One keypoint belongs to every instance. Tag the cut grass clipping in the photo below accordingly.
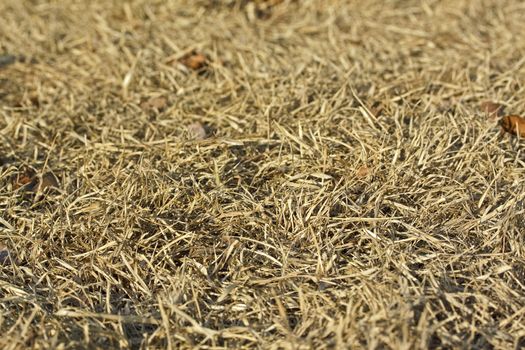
(324, 174)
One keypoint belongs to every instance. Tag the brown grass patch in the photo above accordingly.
(344, 190)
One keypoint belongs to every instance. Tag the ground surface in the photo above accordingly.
(214, 174)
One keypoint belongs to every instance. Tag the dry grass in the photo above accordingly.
(351, 192)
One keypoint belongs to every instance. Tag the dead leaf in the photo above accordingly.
(194, 60)
(158, 103)
(30, 181)
(492, 108)
(362, 172)
(24, 178)
(49, 181)
(21, 181)
(513, 124)
(197, 131)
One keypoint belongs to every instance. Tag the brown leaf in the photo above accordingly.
(21, 181)
(197, 131)
(49, 181)
(158, 103)
(492, 108)
(30, 181)
(513, 124)
(194, 60)
(362, 172)
(26, 178)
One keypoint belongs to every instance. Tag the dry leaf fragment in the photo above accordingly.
(197, 131)
(30, 181)
(49, 181)
(194, 60)
(513, 124)
(24, 178)
(158, 103)
(492, 108)
(21, 180)
(362, 172)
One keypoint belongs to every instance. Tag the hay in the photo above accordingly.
(322, 175)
